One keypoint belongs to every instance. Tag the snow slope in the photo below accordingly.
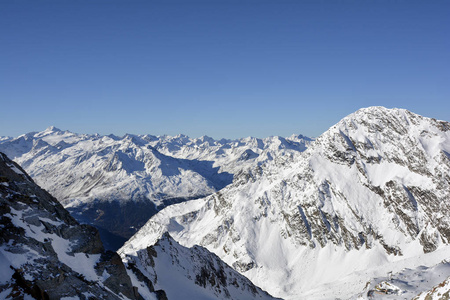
(416, 283)
(189, 273)
(369, 196)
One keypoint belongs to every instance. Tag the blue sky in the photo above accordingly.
(219, 68)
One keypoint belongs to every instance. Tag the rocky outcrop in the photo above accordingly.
(188, 273)
(45, 253)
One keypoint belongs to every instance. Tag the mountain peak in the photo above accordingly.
(52, 129)
(379, 108)
(378, 111)
(372, 189)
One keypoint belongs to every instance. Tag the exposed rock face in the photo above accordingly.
(188, 273)
(45, 253)
(117, 184)
(373, 189)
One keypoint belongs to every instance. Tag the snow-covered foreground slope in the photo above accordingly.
(188, 273)
(117, 183)
(369, 196)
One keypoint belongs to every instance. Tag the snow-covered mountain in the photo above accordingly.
(174, 269)
(369, 196)
(46, 254)
(118, 183)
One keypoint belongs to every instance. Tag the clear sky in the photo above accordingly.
(219, 68)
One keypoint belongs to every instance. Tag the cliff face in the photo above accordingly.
(45, 253)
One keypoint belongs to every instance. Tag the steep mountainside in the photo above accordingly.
(369, 195)
(188, 273)
(45, 253)
(117, 183)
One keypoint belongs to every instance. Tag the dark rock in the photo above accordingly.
(45, 245)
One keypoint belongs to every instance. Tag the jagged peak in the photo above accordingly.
(250, 138)
(378, 111)
(52, 129)
(206, 138)
(113, 136)
(170, 138)
(149, 137)
(225, 141)
(181, 135)
(12, 169)
(375, 108)
(299, 137)
(377, 118)
(135, 139)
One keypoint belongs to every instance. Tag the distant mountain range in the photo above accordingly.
(118, 183)
(361, 212)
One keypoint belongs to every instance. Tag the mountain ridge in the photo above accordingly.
(374, 187)
(103, 180)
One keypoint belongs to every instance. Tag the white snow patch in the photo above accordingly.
(15, 169)
(79, 262)
(142, 287)
(5, 293)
